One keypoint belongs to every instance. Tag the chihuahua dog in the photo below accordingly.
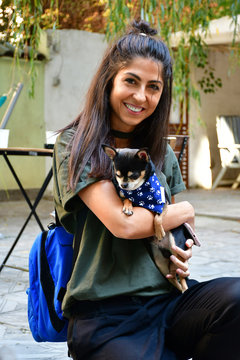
(137, 184)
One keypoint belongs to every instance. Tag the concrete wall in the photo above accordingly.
(26, 124)
(74, 57)
(204, 154)
(73, 60)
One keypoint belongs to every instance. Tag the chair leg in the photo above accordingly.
(219, 177)
(236, 182)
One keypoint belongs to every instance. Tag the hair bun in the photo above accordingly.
(141, 27)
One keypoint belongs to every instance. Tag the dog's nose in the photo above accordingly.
(124, 185)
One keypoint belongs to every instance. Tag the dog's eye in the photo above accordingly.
(117, 175)
(134, 176)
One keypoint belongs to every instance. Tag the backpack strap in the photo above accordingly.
(81, 218)
(57, 221)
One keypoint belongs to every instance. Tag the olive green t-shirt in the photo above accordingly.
(106, 265)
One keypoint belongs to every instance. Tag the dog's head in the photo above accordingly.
(131, 166)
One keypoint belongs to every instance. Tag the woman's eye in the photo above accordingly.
(130, 81)
(154, 87)
(134, 176)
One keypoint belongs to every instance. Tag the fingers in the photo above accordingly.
(173, 272)
(180, 265)
(183, 254)
(182, 273)
(179, 261)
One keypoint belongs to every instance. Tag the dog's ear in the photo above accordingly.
(109, 151)
(143, 154)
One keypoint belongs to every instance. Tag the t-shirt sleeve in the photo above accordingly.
(172, 172)
(66, 200)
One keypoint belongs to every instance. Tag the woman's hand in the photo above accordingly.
(179, 264)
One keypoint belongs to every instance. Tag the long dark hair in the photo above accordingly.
(92, 126)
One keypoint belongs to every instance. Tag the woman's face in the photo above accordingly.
(136, 91)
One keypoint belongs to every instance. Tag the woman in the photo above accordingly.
(118, 303)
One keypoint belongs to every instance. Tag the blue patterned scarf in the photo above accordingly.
(150, 195)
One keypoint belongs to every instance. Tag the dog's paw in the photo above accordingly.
(127, 211)
(159, 232)
(127, 207)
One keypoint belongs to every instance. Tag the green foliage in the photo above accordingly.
(21, 26)
(190, 20)
(21, 23)
(209, 83)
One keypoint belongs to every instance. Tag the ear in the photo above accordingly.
(110, 151)
(143, 154)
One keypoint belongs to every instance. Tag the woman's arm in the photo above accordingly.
(101, 198)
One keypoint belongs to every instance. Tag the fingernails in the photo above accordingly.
(189, 243)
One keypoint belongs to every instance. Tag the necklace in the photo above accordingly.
(121, 134)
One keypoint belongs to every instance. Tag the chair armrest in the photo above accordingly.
(228, 147)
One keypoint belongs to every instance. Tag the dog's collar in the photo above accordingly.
(121, 134)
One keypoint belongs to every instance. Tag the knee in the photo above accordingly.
(230, 292)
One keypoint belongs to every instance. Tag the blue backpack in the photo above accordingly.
(50, 268)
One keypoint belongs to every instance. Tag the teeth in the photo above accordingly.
(133, 108)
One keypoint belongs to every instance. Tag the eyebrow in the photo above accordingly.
(138, 78)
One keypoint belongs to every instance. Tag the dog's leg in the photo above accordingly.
(163, 264)
(162, 249)
(158, 228)
(158, 245)
(171, 244)
(127, 207)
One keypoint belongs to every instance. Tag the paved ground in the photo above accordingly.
(217, 226)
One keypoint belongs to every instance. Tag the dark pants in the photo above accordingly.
(203, 323)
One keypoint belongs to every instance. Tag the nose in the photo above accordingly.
(140, 95)
(124, 185)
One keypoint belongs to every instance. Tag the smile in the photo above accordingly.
(134, 108)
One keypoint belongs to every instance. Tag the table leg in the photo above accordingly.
(23, 191)
(33, 207)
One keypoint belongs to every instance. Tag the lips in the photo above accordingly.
(134, 108)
